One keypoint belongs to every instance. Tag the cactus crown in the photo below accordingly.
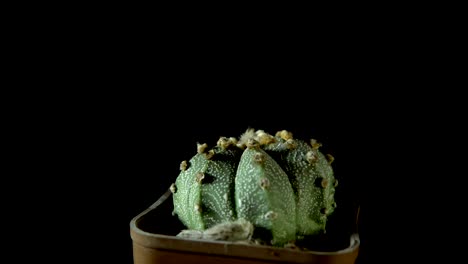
(281, 185)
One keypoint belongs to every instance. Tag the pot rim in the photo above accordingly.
(238, 249)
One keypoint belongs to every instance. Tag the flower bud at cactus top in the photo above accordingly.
(277, 183)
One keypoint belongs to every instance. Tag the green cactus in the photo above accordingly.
(277, 183)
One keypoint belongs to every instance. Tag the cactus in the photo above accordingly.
(278, 184)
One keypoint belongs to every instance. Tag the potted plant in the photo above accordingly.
(259, 198)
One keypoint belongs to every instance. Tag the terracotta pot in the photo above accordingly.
(154, 241)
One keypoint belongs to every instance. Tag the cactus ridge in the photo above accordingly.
(271, 207)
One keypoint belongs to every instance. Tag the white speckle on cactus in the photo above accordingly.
(201, 148)
(335, 183)
(173, 188)
(225, 197)
(197, 208)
